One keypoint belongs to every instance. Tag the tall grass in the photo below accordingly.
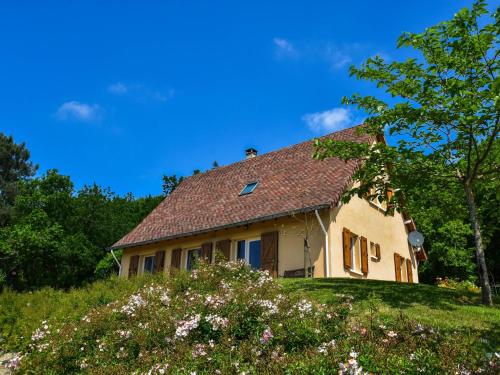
(22, 313)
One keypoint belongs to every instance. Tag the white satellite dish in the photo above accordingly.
(416, 238)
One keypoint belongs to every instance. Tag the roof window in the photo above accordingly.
(249, 188)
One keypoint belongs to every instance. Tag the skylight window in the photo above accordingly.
(250, 187)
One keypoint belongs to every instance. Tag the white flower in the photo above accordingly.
(186, 326)
(323, 348)
(124, 334)
(392, 334)
(217, 321)
(135, 302)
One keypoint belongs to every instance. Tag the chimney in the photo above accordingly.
(250, 153)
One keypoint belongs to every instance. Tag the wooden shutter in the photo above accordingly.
(206, 251)
(409, 271)
(224, 246)
(269, 252)
(159, 261)
(175, 262)
(377, 251)
(389, 195)
(133, 266)
(346, 238)
(397, 266)
(364, 255)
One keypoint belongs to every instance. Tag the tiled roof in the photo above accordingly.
(290, 181)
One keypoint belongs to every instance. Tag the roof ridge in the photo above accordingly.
(271, 152)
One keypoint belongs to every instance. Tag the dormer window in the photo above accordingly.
(249, 188)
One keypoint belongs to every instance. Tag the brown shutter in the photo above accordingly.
(389, 195)
(175, 262)
(397, 266)
(133, 266)
(269, 252)
(377, 251)
(346, 238)
(224, 246)
(206, 252)
(364, 255)
(159, 261)
(409, 271)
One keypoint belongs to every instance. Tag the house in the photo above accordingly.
(280, 211)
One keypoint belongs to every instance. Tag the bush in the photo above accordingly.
(227, 318)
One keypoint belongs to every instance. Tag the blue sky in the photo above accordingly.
(124, 92)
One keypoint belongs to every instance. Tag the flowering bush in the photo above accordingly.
(226, 319)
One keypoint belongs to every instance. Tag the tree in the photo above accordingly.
(170, 183)
(445, 116)
(15, 166)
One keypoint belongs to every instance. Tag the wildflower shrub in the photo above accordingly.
(227, 318)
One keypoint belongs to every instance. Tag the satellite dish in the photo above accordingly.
(416, 238)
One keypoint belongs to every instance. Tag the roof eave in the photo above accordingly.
(222, 227)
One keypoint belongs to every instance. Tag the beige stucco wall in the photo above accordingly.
(290, 243)
(365, 219)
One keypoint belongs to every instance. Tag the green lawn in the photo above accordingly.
(445, 309)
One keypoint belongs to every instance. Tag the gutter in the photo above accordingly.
(119, 264)
(327, 250)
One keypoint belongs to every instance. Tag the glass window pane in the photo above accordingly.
(149, 264)
(249, 188)
(255, 254)
(241, 250)
(192, 256)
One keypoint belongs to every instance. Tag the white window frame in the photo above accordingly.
(402, 269)
(187, 255)
(355, 240)
(144, 263)
(247, 247)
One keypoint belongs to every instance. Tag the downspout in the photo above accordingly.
(117, 262)
(327, 255)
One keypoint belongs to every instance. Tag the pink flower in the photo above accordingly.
(266, 336)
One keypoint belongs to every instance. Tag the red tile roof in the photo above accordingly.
(290, 181)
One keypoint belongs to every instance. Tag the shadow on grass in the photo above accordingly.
(396, 295)
(448, 309)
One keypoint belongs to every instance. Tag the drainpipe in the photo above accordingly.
(327, 255)
(119, 264)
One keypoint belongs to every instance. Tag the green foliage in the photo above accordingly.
(107, 265)
(15, 167)
(57, 237)
(227, 319)
(445, 117)
(170, 183)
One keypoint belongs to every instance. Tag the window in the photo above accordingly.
(192, 257)
(402, 263)
(250, 187)
(249, 250)
(375, 251)
(149, 264)
(355, 254)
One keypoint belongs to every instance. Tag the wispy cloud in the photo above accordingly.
(284, 48)
(330, 120)
(140, 92)
(77, 111)
(118, 88)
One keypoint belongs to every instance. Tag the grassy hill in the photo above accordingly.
(443, 308)
(364, 321)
